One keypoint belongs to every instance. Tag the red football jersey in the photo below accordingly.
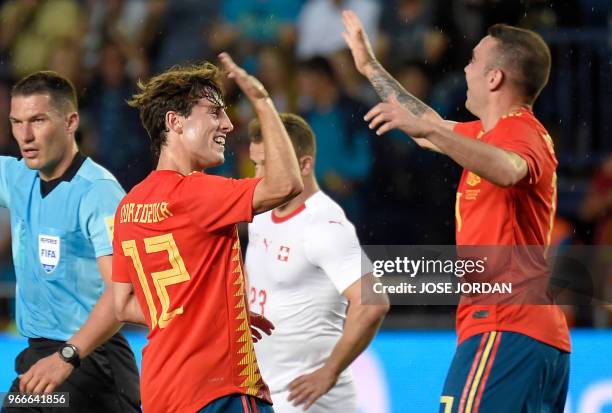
(489, 215)
(176, 241)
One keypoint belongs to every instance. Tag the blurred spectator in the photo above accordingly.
(254, 23)
(274, 71)
(127, 20)
(320, 25)
(353, 83)
(177, 31)
(114, 133)
(30, 31)
(66, 60)
(344, 157)
(597, 207)
(409, 32)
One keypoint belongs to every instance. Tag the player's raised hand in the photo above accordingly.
(308, 388)
(45, 375)
(357, 40)
(259, 322)
(251, 87)
(389, 115)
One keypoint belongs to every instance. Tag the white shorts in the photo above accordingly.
(341, 398)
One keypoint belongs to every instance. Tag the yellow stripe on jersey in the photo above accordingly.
(458, 211)
(250, 371)
(553, 210)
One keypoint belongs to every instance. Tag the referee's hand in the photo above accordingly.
(45, 375)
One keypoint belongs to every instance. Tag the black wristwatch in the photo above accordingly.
(70, 354)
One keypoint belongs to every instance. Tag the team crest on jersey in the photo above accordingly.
(472, 179)
(49, 252)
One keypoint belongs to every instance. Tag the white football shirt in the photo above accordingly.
(298, 266)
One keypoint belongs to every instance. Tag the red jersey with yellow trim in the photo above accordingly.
(175, 240)
(488, 215)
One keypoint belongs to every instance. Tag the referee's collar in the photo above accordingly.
(47, 186)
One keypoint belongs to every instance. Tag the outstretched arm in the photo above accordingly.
(283, 180)
(384, 84)
(498, 166)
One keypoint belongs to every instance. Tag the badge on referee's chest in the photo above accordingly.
(48, 252)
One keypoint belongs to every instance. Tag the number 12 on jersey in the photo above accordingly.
(161, 279)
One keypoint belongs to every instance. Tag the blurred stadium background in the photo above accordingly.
(394, 193)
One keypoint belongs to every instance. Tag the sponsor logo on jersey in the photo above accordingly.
(49, 252)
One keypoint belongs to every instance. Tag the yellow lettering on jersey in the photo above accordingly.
(161, 279)
(130, 250)
(131, 213)
(138, 208)
(145, 213)
(165, 211)
(471, 194)
(155, 213)
(144, 218)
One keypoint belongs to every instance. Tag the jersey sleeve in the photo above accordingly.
(469, 129)
(97, 214)
(8, 166)
(332, 245)
(215, 202)
(121, 263)
(519, 136)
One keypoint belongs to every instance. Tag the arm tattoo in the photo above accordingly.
(385, 86)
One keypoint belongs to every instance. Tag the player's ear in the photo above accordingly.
(174, 122)
(72, 122)
(306, 165)
(496, 78)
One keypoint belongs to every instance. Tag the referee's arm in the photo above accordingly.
(48, 373)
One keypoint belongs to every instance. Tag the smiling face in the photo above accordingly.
(45, 134)
(476, 75)
(204, 133)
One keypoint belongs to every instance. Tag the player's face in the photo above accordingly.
(44, 133)
(476, 75)
(204, 134)
(257, 155)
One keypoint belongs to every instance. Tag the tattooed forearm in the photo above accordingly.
(385, 86)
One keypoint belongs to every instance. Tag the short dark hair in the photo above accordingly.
(177, 89)
(60, 90)
(525, 56)
(300, 133)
